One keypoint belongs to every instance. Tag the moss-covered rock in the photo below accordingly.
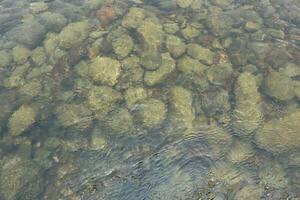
(17, 77)
(151, 113)
(20, 179)
(279, 135)
(175, 46)
(250, 192)
(5, 58)
(102, 99)
(31, 89)
(21, 120)
(150, 58)
(193, 70)
(77, 116)
(53, 21)
(151, 31)
(132, 73)
(279, 86)
(247, 115)
(97, 140)
(133, 18)
(134, 95)
(38, 7)
(220, 74)
(171, 27)
(119, 121)
(20, 54)
(200, 53)
(38, 56)
(123, 45)
(181, 109)
(272, 175)
(219, 24)
(105, 70)
(190, 32)
(168, 65)
(73, 34)
(184, 3)
(240, 152)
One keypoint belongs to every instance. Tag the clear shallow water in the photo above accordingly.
(151, 100)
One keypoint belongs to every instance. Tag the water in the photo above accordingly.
(149, 100)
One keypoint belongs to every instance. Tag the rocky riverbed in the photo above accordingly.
(149, 99)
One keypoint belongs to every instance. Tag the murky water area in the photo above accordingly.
(149, 99)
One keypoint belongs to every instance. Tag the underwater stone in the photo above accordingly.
(247, 115)
(102, 99)
(134, 95)
(280, 135)
(118, 121)
(171, 28)
(30, 33)
(190, 32)
(272, 175)
(105, 70)
(222, 3)
(219, 25)
(17, 78)
(77, 116)
(133, 18)
(251, 27)
(38, 7)
(279, 86)
(123, 45)
(38, 56)
(53, 21)
(240, 152)
(19, 179)
(31, 89)
(200, 53)
(21, 120)
(168, 65)
(73, 34)
(175, 46)
(184, 3)
(97, 141)
(181, 109)
(250, 192)
(5, 58)
(219, 74)
(151, 31)
(151, 112)
(20, 54)
(150, 58)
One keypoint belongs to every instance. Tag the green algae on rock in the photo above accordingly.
(105, 70)
(24, 117)
(152, 78)
(119, 121)
(151, 112)
(247, 115)
(102, 99)
(134, 95)
(123, 45)
(184, 3)
(73, 34)
(20, 54)
(280, 135)
(151, 31)
(133, 18)
(20, 179)
(182, 114)
(175, 46)
(77, 116)
(200, 53)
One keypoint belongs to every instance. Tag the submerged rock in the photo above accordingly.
(168, 65)
(20, 54)
(151, 59)
(105, 70)
(119, 121)
(77, 116)
(219, 25)
(184, 3)
(181, 109)
(220, 74)
(279, 86)
(134, 95)
(30, 33)
(21, 120)
(175, 46)
(5, 58)
(151, 31)
(123, 45)
(73, 34)
(151, 112)
(133, 18)
(247, 115)
(240, 152)
(280, 135)
(200, 53)
(20, 179)
(53, 21)
(102, 99)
